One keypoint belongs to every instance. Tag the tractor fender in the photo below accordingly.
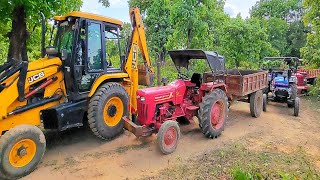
(208, 87)
(104, 78)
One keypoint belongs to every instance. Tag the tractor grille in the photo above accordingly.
(143, 110)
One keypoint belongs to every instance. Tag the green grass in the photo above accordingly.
(239, 163)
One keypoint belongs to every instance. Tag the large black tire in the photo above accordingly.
(256, 104)
(265, 102)
(168, 137)
(21, 150)
(106, 109)
(215, 101)
(294, 92)
(296, 109)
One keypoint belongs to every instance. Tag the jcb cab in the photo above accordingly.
(81, 76)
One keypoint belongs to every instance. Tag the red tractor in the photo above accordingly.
(159, 108)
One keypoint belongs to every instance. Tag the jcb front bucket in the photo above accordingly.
(145, 76)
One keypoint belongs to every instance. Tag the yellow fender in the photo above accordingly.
(104, 78)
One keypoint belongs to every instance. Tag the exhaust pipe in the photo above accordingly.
(43, 35)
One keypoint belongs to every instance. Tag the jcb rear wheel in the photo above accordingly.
(106, 109)
(21, 150)
(213, 113)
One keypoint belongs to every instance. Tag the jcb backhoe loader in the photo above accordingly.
(73, 80)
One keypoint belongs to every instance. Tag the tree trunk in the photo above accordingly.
(189, 39)
(18, 36)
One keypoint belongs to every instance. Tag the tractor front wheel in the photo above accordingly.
(213, 113)
(168, 137)
(21, 150)
(256, 104)
(265, 102)
(296, 106)
(106, 109)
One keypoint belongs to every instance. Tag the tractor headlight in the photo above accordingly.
(293, 79)
(142, 99)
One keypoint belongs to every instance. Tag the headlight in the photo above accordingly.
(142, 99)
(293, 79)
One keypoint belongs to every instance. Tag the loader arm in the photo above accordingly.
(139, 74)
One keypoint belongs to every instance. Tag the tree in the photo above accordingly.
(311, 52)
(157, 22)
(276, 8)
(296, 38)
(245, 42)
(277, 34)
(24, 15)
(192, 20)
(282, 18)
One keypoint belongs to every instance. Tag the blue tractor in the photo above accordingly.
(282, 82)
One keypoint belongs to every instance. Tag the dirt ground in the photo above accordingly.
(276, 145)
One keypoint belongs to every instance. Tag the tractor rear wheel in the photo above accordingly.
(106, 109)
(21, 150)
(256, 104)
(168, 137)
(213, 113)
(296, 107)
(265, 102)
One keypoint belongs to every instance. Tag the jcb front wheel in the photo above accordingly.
(106, 109)
(22, 149)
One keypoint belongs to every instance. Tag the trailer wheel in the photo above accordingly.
(21, 150)
(256, 104)
(168, 137)
(106, 109)
(265, 102)
(213, 113)
(296, 107)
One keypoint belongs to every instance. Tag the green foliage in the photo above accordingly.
(193, 23)
(282, 18)
(311, 52)
(244, 43)
(274, 8)
(277, 31)
(315, 89)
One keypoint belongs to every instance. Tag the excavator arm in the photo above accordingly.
(139, 74)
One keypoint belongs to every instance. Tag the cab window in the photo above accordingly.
(112, 47)
(94, 47)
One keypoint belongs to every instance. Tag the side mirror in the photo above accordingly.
(64, 54)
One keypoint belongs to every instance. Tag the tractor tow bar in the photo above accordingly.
(138, 131)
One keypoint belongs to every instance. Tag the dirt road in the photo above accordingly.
(78, 154)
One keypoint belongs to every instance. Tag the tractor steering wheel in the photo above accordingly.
(182, 76)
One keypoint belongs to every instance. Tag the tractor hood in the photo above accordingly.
(181, 58)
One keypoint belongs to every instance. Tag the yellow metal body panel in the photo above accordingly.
(51, 68)
(9, 96)
(89, 16)
(104, 78)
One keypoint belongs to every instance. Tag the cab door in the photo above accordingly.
(94, 56)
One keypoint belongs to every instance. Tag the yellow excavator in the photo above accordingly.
(74, 80)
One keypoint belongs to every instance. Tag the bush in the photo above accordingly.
(315, 89)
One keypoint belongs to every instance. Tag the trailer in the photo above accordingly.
(310, 74)
(245, 86)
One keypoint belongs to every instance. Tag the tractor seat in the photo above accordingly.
(196, 79)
